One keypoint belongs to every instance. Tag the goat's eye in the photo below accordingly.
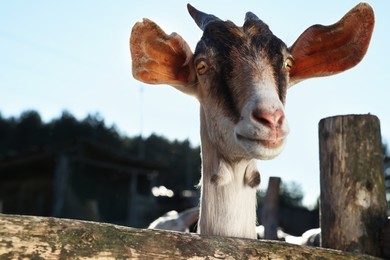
(288, 63)
(202, 67)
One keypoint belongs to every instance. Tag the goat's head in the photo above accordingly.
(240, 75)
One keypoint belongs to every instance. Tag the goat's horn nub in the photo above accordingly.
(200, 18)
(251, 16)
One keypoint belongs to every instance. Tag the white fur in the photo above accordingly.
(251, 132)
(228, 209)
(228, 198)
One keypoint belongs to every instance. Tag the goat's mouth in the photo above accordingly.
(259, 148)
(271, 144)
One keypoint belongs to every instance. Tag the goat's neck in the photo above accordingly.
(227, 209)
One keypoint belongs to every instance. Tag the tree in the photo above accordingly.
(181, 161)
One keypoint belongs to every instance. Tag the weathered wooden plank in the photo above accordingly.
(28, 237)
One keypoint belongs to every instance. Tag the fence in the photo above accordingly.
(353, 216)
(353, 196)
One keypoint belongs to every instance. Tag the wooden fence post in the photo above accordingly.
(353, 200)
(269, 216)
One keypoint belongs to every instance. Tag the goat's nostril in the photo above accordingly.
(270, 119)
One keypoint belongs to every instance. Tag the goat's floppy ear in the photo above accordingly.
(327, 50)
(158, 58)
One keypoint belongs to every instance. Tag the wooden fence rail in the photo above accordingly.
(29, 237)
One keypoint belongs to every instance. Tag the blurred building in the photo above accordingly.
(80, 180)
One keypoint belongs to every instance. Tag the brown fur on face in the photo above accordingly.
(238, 57)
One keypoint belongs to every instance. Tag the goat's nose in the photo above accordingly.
(271, 119)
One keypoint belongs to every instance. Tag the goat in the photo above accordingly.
(175, 221)
(240, 76)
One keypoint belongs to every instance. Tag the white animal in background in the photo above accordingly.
(175, 221)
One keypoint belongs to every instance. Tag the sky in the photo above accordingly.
(74, 56)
